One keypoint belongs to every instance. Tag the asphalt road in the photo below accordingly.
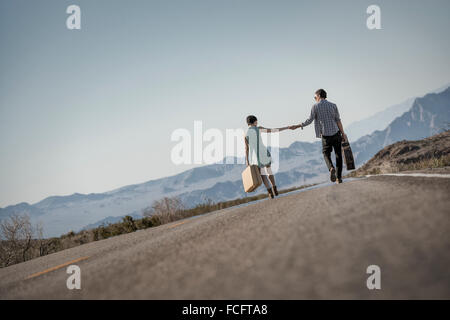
(314, 244)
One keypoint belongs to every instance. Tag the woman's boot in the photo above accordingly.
(270, 193)
(275, 190)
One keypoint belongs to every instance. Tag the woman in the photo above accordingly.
(256, 153)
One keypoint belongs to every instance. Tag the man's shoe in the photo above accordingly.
(339, 181)
(333, 174)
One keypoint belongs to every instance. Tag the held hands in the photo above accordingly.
(293, 127)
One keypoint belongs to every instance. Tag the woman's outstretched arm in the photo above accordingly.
(273, 129)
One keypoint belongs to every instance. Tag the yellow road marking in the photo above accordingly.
(176, 225)
(80, 259)
(55, 268)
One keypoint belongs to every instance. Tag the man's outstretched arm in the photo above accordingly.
(262, 129)
(312, 116)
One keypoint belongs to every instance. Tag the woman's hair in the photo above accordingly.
(251, 120)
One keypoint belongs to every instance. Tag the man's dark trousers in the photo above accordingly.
(328, 144)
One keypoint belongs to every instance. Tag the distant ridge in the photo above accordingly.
(428, 115)
(382, 119)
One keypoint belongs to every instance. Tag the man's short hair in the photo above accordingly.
(322, 93)
(251, 120)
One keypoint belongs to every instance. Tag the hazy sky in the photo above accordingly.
(91, 110)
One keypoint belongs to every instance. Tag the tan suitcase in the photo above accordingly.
(251, 178)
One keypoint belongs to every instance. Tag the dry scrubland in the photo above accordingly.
(426, 154)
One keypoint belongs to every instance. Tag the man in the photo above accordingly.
(328, 126)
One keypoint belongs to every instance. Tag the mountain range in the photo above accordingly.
(382, 119)
(428, 115)
(300, 163)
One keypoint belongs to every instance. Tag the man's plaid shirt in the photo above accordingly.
(325, 115)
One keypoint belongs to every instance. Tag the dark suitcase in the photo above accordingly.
(348, 156)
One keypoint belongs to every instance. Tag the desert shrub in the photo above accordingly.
(70, 234)
(426, 163)
(16, 239)
(104, 232)
(156, 221)
(375, 171)
(167, 209)
(96, 234)
(128, 224)
(49, 246)
(116, 229)
(144, 223)
(82, 237)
